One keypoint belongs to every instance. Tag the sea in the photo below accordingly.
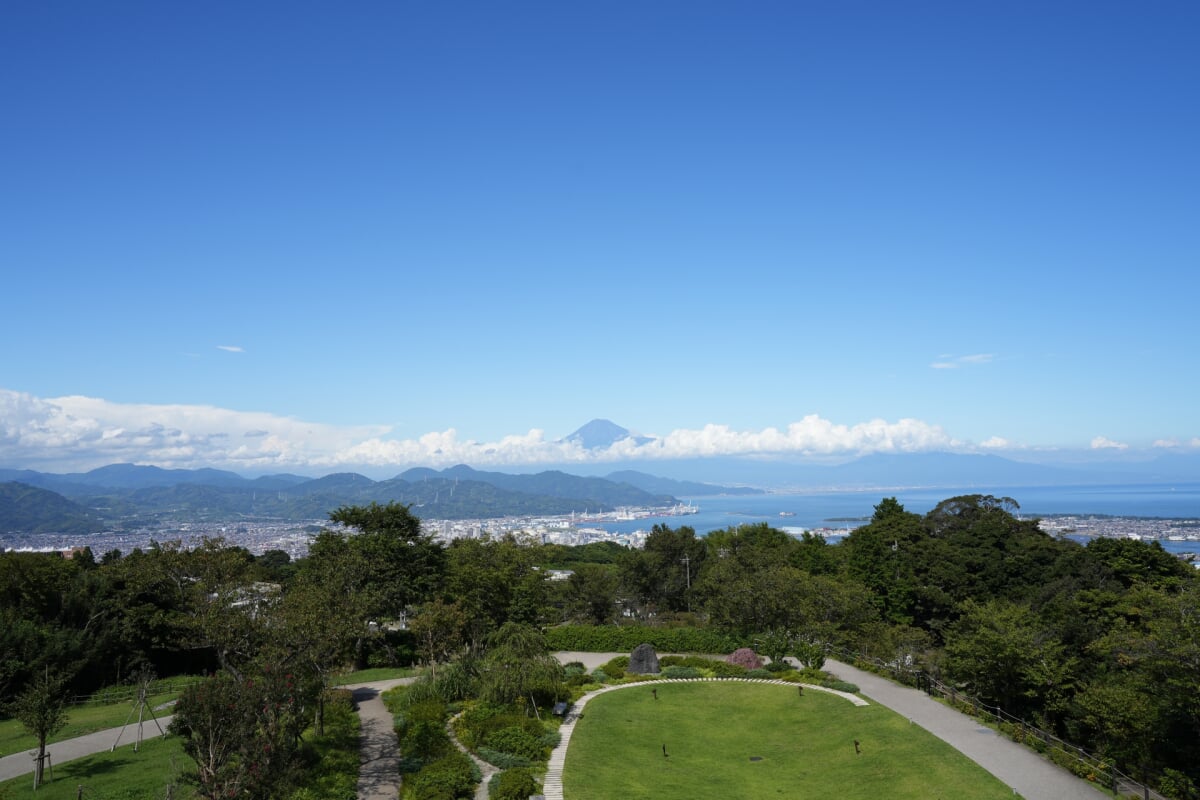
(837, 513)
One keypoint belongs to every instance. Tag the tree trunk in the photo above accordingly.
(39, 769)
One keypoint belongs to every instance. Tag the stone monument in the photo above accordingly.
(643, 660)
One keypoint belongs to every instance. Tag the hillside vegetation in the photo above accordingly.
(1098, 645)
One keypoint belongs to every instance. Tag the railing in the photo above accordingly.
(129, 694)
(1079, 761)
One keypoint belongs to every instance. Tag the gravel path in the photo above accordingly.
(379, 759)
(1030, 775)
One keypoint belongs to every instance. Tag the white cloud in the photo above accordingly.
(78, 433)
(945, 361)
(995, 443)
(231, 348)
(1168, 443)
(1104, 443)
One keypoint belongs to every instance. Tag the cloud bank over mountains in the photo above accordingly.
(79, 433)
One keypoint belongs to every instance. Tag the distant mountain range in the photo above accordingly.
(128, 494)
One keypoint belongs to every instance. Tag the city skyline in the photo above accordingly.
(303, 239)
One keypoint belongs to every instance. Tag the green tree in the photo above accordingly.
(1000, 651)
(404, 565)
(438, 628)
(241, 733)
(591, 594)
(42, 709)
(518, 666)
(495, 581)
(661, 574)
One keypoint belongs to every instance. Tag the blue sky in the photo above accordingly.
(307, 236)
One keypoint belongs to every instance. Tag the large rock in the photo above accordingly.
(643, 660)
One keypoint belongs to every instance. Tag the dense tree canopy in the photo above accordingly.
(1099, 644)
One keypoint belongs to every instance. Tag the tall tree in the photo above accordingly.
(403, 565)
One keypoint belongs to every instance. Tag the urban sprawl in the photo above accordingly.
(293, 537)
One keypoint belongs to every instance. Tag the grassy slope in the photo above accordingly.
(806, 745)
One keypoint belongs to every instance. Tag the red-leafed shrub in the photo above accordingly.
(744, 657)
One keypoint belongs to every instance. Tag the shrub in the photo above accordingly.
(720, 669)
(502, 760)
(458, 680)
(600, 676)
(452, 776)
(425, 740)
(680, 672)
(759, 673)
(778, 666)
(744, 657)
(516, 741)
(512, 784)
(615, 668)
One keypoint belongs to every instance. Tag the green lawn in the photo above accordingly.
(737, 741)
(375, 674)
(123, 775)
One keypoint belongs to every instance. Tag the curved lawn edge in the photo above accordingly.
(552, 786)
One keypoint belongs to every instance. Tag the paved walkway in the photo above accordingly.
(379, 759)
(1030, 775)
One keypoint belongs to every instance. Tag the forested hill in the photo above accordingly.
(28, 509)
(598, 492)
(653, 483)
(103, 498)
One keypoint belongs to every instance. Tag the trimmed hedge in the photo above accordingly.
(623, 638)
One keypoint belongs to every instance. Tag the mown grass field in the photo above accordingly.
(121, 775)
(738, 741)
